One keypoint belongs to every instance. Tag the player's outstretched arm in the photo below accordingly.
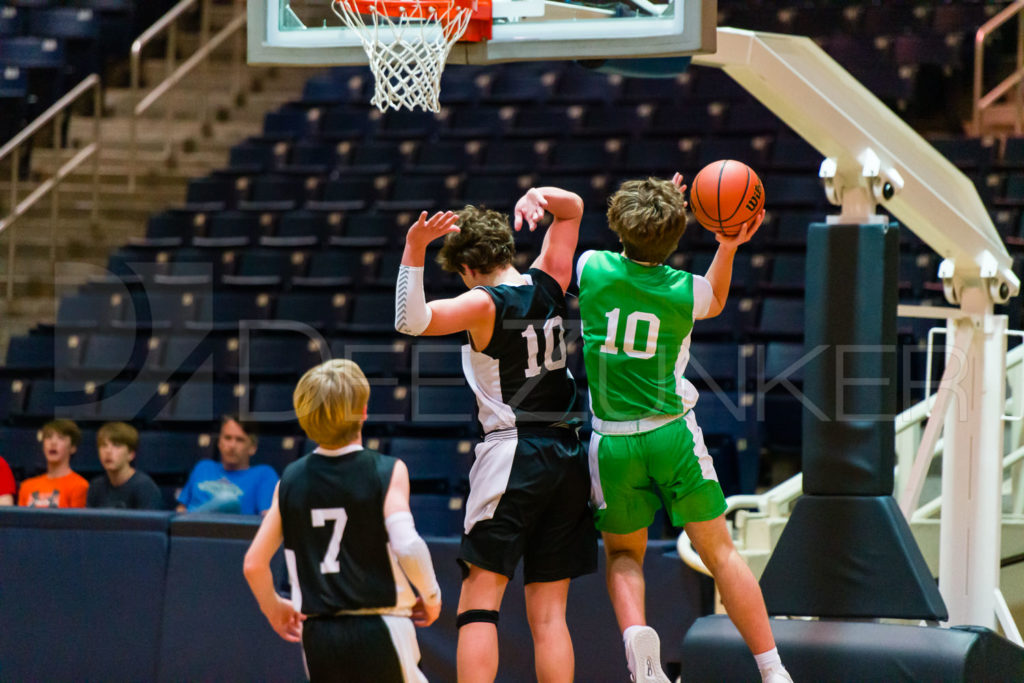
(283, 617)
(566, 209)
(720, 271)
(473, 311)
(412, 552)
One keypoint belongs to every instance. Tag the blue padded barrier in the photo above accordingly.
(81, 594)
(212, 627)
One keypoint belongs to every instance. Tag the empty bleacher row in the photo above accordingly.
(300, 236)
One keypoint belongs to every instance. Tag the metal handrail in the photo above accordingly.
(50, 186)
(981, 103)
(174, 74)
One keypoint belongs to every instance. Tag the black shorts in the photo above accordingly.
(529, 498)
(361, 649)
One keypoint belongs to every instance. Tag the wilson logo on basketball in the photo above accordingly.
(755, 198)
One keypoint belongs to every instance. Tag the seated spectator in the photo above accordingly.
(122, 486)
(60, 487)
(230, 485)
(7, 486)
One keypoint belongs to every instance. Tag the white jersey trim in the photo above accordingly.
(700, 450)
(403, 637)
(293, 579)
(703, 295)
(488, 478)
(596, 491)
(483, 375)
(581, 263)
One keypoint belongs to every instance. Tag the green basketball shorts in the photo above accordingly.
(633, 474)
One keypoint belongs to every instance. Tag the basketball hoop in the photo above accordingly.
(407, 43)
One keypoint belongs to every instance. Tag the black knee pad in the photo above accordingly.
(487, 616)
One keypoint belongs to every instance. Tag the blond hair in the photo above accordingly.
(330, 401)
(649, 216)
(119, 434)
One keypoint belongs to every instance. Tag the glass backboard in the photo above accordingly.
(308, 32)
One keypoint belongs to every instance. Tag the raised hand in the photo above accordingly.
(426, 230)
(747, 231)
(530, 208)
(677, 180)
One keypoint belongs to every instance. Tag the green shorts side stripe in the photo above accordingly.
(632, 475)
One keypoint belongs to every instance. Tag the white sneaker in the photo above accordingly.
(643, 654)
(777, 676)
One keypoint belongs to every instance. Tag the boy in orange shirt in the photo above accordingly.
(60, 487)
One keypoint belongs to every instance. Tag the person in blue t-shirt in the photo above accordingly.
(230, 485)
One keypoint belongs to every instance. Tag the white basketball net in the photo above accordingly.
(407, 53)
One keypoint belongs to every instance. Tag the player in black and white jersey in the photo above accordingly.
(350, 544)
(529, 484)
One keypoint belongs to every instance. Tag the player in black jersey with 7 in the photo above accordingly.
(343, 514)
(529, 485)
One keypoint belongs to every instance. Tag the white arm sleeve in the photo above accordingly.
(702, 296)
(413, 556)
(412, 315)
(581, 264)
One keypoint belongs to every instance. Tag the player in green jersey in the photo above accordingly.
(646, 448)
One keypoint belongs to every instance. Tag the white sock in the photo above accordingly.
(768, 661)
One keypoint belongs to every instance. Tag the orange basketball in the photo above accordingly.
(725, 195)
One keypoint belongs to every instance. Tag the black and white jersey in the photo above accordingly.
(335, 540)
(520, 379)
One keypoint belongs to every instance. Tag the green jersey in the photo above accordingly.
(636, 335)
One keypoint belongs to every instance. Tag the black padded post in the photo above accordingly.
(847, 551)
(852, 284)
(854, 652)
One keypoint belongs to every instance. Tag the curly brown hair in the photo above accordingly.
(649, 216)
(484, 242)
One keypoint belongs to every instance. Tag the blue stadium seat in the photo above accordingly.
(324, 311)
(163, 454)
(615, 120)
(370, 230)
(513, 85)
(211, 194)
(312, 157)
(272, 403)
(544, 121)
(349, 123)
(437, 515)
(444, 157)
(657, 157)
(375, 157)
(302, 228)
(968, 154)
(447, 406)
(687, 119)
(47, 400)
(280, 193)
(483, 121)
(373, 312)
(435, 465)
(195, 267)
(12, 21)
(133, 401)
(278, 451)
(281, 354)
(226, 229)
(251, 157)
(79, 30)
(750, 117)
(376, 357)
(14, 93)
(30, 353)
(205, 401)
(579, 85)
(20, 447)
(226, 310)
(781, 318)
(511, 156)
(725, 365)
(793, 153)
(433, 359)
(791, 228)
(85, 310)
(189, 354)
(155, 309)
(656, 90)
(418, 193)
(493, 192)
(787, 273)
(794, 191)
(107, 353)
(407, 125)
(389, 404)
(336, 268)
(349, 193)
(579, 156)
(740, 149)
(166, 229)
(786, 360)
(288, 124)
(265, 268)
(44, 61)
